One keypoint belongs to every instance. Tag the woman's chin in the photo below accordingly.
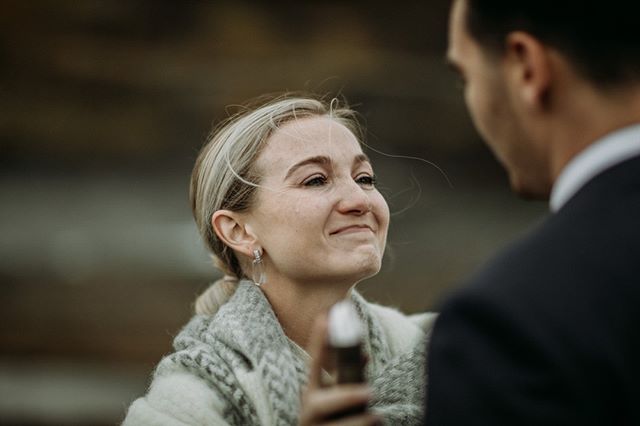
(367, 269)
(352, 272)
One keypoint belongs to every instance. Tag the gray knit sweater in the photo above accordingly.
(238, 367)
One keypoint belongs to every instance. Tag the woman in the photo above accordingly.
(286, 201)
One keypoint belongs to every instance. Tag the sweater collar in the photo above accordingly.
(252, 328)
(247, 324)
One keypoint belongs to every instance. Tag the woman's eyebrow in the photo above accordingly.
(361, 158)
(318, 159)
(324, 160)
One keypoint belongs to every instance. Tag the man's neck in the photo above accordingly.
(589, 116)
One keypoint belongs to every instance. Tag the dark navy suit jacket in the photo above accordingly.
(548, 333)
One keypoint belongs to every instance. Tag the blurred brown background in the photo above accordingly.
(103, 106)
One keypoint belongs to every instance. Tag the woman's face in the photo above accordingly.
(318, 216)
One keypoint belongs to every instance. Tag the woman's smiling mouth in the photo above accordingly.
(351, 229)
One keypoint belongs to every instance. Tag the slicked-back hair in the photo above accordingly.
(601, 39)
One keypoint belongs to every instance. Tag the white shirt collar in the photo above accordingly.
(606, 152)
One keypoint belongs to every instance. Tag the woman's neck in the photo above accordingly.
(297, 306)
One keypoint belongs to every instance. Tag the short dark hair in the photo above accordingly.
(601, 39)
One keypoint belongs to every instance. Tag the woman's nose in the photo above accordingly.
(353, 199)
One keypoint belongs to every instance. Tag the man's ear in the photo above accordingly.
(529, 68)
(233, 231)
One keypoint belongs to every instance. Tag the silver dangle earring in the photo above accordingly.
(259, 276)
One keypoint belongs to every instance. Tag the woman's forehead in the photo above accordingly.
(310, 129)
(307, 137)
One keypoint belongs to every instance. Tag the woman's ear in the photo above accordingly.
(233, 231)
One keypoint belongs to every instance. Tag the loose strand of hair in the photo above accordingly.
(409, 157)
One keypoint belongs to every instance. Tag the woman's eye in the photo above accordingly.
(315, 181)
(366, 180)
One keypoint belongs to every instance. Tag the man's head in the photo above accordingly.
(601, 39)
(530, 66)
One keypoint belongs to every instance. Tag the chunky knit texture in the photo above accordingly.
(255, 375)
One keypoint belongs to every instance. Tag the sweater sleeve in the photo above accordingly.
(177, 399)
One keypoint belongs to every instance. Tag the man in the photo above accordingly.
(548, 333)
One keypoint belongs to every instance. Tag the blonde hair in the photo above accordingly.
(225, 177)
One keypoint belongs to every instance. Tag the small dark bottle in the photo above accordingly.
(345, 340)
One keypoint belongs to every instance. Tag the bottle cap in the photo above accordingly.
(345, 327)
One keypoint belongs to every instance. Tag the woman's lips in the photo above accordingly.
(352, 229)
